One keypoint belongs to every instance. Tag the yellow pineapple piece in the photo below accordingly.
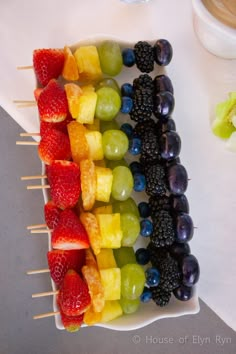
(87, 106)
(88, 183)
(110, 230)
(90, 224)
(88, 88)
(104, 179)
(91, 317)
(70, 68)
(78, 141)
(111, 282)
(106, 209)
(94, 140)
(88, 62)
(95, 126)
(100, 163)
(106, 259)
(73, 93)
(111, 310)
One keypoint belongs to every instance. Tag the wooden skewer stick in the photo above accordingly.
(26, 178)
(43, 315)
(36, 226)
(27, 143)
(24, 101)
(29, 134)
(37, 271)
(40, 231)
(47, 293)
(45, 186)
(26, 67)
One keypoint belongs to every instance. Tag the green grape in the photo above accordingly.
(130, 227)
(108, 125)
(127, 206)
(108, 82)
(222, 128)
(115, 144)
(114, 163)
(108, 103)
(124, 255)
(110, 58)
(129, 306)
(122, 184)
(132, 281)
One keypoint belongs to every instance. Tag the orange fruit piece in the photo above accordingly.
(90, 224)
(73, 93)
(70, 69)
(91, 317)
(88, 183)
(78, 141)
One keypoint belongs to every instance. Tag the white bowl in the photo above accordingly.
(149, 312)
(216, 37)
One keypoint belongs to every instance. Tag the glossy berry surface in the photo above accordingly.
(139, 182)
(146, 228)
(144, 210)
(190, 270)
(136, 167)
(166, 125)
(135, 145)
(126, 104)
(128, 57)
(142, 256)
(152, 276)
(127, 90)
(179, 203)
(184, 228)
(163, 104)
(162, 83)
(170, 145)
(163, 52)
(183, 293)
(177, 178)
(127, 129)
(179, 250)
(146, 295)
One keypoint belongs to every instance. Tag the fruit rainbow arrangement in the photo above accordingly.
(96, 166)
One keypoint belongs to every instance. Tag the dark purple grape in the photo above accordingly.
(169, 145)
(171, 162)
(178, 179)
(163, 52)
(163, 104)
(162, 83)
(183, 293)
(184, 227)
(190, 270)
(165, 126)
(179, 203)
(178, 250)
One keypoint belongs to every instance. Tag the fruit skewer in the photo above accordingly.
(46, 293)
(44, 315)
(38, 271)
(26, 178)
(35, 226)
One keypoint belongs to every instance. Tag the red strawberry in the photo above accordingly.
(71, 323)
(37, 93)
(48, 64)
(64, 179)
(69, 233)
(51, 214)
(62, 126)
(73, 297)
(60, 261)
(54, 145)
(52, 103)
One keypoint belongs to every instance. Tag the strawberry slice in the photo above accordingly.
(52, 103)
(54, 145)
(64, 180)
(37, 93)
(73, 297)
(48, 64)
(69, 233)
(61, 126)
(60, 261)
(51, 214)
(71, 323)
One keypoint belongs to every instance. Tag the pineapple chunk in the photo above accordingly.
(111, 282)
(70, 68)
(91, 317)
(106, 209)
(110, 230)
(106, 259)
(88, 63)
(88, 88)
(94, 140)
(87, 106)
(111, 310)
(100, 163)
(95, 126)
(104, 179)
(73, 93)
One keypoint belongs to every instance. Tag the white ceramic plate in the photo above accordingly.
(149, 312)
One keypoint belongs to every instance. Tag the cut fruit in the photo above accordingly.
(106, 209)
(70, 68)
(111, 310)
(88, 183)
(87, 106)
(91, 317)
(94, 140)
(110, 230)
(90, 224)
(88, 63)
(124, 255)
(106, 259)
(104, 180)
(111, 281)
(73, 93)
(78, 141)
(95, 126)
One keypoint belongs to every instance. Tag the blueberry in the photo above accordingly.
(128, 57)
(146, 228)
(126, 105)
(146, 295)
(135, 146)
(136, 167)
(152, 276)
(142, 256)
(127, 129)
(127, 90)
(183, 293)
(139, 182)
(163, 52)
(144, 210)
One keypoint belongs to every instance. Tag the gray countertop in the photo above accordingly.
(20, 334)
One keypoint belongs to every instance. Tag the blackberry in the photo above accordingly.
(157, 254)
(142, 105)
(144, 56)
(143, 81)
(163, 229)
(160, 296)
(150, 147)
(142, 127)
(170, 274)
(155, 180)
(157, 204)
